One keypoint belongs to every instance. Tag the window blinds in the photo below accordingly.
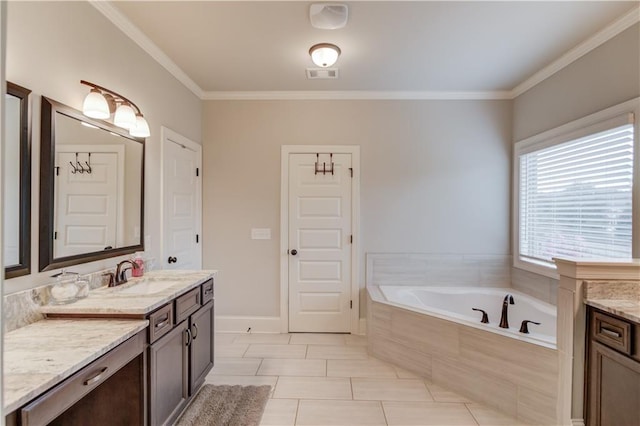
(575, 197)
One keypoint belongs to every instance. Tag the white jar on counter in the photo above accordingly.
(65, 289)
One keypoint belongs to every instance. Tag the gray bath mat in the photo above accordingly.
(226, 406)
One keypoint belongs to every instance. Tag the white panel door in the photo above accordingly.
(181, 194)
(87, 204)
(319, 244)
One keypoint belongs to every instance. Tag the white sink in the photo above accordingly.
(146, 286)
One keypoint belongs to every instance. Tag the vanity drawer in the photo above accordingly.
(160, 322)
(57, 400)
(611, 332)
(187, 304)
(207, 291)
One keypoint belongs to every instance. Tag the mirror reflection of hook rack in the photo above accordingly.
(324, 169)
(78, 167)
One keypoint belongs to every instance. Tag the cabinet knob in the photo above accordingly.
(294, 252)
(172, 259)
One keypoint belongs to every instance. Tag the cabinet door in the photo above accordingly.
(614, 388)
(201, 355)
(168, 375)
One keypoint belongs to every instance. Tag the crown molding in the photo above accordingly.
(293, 95)
(601, 37)
(135, 34)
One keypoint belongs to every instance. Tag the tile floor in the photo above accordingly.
(328, 379)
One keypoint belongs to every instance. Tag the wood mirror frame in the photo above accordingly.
(23, 267)
(47, 261)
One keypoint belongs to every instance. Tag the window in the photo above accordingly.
(575, 193)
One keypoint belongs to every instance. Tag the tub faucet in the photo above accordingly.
(504, 321)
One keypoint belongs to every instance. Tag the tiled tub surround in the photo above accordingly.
(42, 354)
(535, 285)
(417, 269)
(457, 303)
(516, 377)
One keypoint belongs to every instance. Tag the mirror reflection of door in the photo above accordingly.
(11, 167)
(88, 198)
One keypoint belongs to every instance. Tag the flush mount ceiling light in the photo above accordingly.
(324, 54)
(328, 16)
(101, 103)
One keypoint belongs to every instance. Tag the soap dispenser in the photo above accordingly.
(137, 259)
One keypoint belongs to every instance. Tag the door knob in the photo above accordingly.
(172, 259)
(294, 252)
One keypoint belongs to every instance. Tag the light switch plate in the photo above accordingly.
(260, 233)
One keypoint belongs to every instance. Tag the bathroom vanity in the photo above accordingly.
(613, 364)
(132, 354)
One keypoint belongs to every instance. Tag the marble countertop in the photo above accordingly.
(40, 355)
(628, 309)
(620, 298)
(124, 300)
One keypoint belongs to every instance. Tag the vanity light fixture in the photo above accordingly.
(324, 54)
(125, 116)
(101, 103)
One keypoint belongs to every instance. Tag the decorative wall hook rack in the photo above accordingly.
(324, 169)
(78, 167)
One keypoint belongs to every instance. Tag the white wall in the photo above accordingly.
(51, 46)
(435, 178)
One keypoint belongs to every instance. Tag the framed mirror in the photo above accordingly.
(16, 201)
(91, 189)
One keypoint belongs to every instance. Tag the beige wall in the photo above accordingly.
(435, 178)
(51, 46)
(606, 76)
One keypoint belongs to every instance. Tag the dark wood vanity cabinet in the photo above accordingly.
(613, 371)
(109, 391)
(180, 360)
(201, 349)
(168, 380)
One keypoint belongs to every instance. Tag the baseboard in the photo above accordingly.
(362, 328)
(241, 324)
(577, 422)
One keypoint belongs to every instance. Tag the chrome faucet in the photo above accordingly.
(121, 273)
(504, 321)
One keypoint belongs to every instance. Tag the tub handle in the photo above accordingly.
(485, 317)
(523, 327)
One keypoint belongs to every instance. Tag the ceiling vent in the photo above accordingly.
(328, 16)
(322, 73)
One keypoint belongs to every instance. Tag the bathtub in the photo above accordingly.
(432, 332)
(456, 303)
